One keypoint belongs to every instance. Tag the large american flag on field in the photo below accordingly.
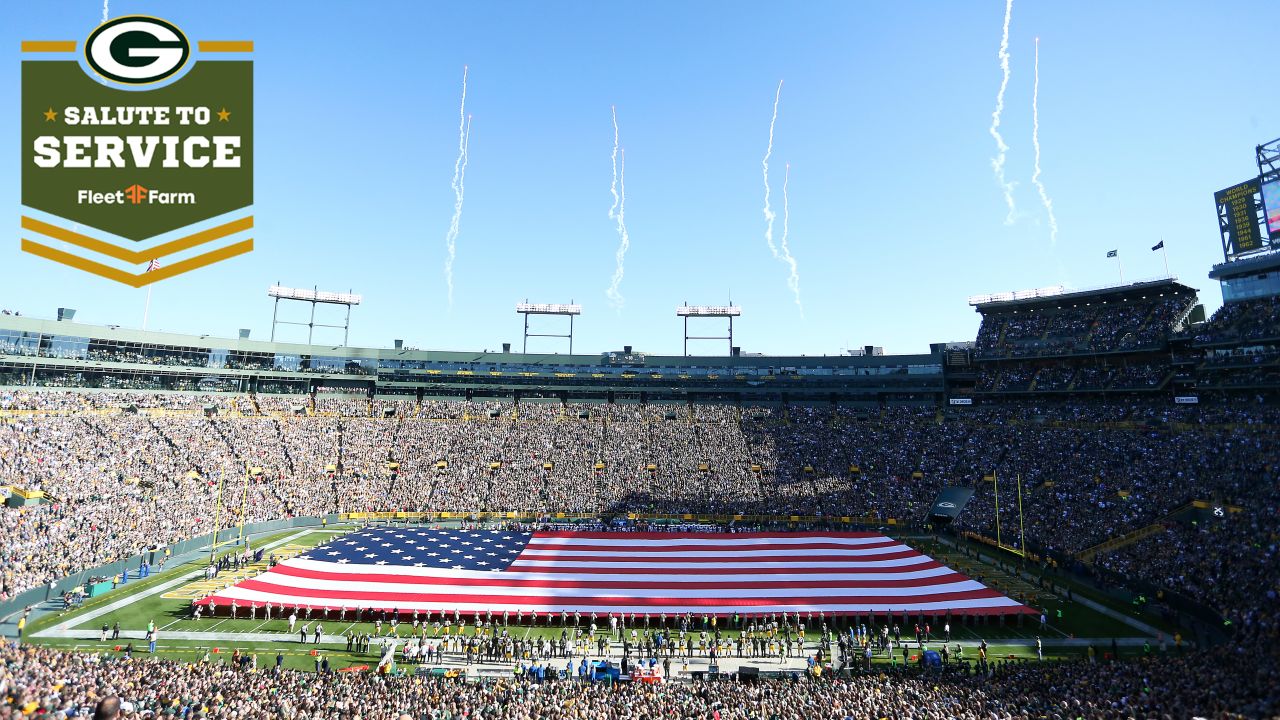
(443, 571)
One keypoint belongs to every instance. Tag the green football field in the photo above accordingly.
(164, 599)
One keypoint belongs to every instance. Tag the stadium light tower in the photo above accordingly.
(527, 308)
(687, 311)
(315, 297)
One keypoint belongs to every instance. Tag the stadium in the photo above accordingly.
(1070, 513)
(185, 493)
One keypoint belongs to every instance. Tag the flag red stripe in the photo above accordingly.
(925, 564)
(609, 600)
(721, 559)
(693, 537)
(728, 549)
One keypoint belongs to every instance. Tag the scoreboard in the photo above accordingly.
(1271, 201)
(1238, 217)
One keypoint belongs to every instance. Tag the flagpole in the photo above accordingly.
(1165, 252)
(1120, 265)
(147, 309)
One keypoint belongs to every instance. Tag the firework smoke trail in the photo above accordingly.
(1035, 141)
(997, 163)
(613, 187)
(793, 281)
(624, 240)
(769, 214)
(105, 7)
(459, 173)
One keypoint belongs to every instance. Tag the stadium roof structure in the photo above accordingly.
(1004, 302)
(37, 351)
(48, 327)
(1246, 266)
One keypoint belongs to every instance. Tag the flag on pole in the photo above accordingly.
(1157, 246)
(434, 571)
(1113, 253)
(153, 265)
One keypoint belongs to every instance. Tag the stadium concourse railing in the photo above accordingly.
(203, 543)
(477, 516)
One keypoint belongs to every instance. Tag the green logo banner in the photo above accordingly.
(137, 164)
(125, 154)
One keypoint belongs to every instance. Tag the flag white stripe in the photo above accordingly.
(725, 592)
(450, 574)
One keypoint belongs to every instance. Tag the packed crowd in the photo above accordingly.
(1097, 327)
(1243, 321)
(121, 481)
(127, 471)
(42, 682)
(1068, 375)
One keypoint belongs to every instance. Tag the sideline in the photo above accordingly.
(61, 630)
(1136, 624)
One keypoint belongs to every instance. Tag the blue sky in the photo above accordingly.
(1146, 108)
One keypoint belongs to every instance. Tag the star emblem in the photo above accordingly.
(371, 555)
(50, 115)
(224, 115)
(381, 562)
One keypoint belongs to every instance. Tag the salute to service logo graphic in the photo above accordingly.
(144, 151)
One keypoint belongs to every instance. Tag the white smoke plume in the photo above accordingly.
(769, 214)
(1035, 141)
(624, 240)
(459, 176)
(782, 254)
(997, 163)
(793, 281)
(105, 9)
(613, 187)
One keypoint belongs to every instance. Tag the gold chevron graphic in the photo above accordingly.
(55, 46)
(165, 249)
(142, 279)
(228, 46)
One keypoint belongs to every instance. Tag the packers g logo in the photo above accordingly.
(136, 50)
